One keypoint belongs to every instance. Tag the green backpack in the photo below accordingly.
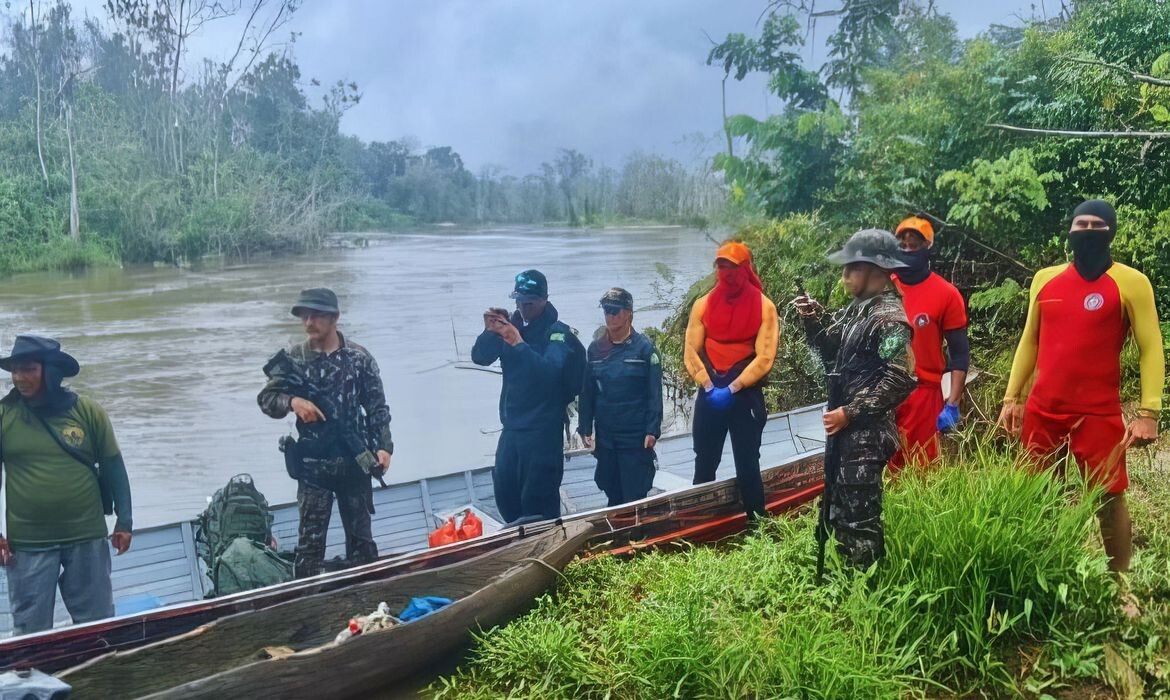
(237, 511)
(246, 564)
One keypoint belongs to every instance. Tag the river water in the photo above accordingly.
(175, 355)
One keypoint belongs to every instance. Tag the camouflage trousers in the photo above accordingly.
(855, 504)
(315, 502)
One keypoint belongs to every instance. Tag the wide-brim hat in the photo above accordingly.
(872, 245)
(318, 299)
(44, 350)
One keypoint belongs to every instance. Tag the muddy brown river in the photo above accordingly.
(174, 355)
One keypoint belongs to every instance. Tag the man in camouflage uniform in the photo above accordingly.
(866, 354)
(333, 386)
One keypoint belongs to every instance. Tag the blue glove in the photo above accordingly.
(949, 418)
(720, 398)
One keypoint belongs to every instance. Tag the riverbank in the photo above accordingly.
(995, 584)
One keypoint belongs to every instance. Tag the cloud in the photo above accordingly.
(507, 82)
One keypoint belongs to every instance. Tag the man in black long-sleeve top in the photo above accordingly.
(535, 351)
(622, 400)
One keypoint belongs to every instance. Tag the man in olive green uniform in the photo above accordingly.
(65, 474)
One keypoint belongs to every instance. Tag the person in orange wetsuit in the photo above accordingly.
(937, 315)
(730, 347)
(1079, 316)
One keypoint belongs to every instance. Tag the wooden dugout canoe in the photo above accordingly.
(288, 650)
(675, 509)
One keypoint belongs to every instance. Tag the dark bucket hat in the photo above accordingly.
(530, 284)
(318, 299)
(618, 297)
(44, 350)
(872, 245)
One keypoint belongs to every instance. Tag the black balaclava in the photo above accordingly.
(917, 266)
(56, 399)
(1090, 247)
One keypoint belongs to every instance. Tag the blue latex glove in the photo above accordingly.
(720, 398)
(949, 418)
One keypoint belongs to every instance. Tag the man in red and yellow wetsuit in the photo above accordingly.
(730, 347)
(1079, 316)
(937, 314)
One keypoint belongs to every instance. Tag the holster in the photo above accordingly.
(293, 463)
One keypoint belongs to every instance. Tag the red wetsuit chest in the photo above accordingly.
(1082, 331)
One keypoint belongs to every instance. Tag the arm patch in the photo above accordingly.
(894, 339)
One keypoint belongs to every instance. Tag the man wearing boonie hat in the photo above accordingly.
(937, 315)
(65, 474)
(622, 403)
(866, 353)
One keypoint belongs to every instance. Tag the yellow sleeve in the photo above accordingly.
(696, 336)
(1137, 297)
(766, 341)
(1024, 363)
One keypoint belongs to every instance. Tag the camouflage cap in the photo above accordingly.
(319, 299)
(617, 296)
(872, 245)
(530, 284)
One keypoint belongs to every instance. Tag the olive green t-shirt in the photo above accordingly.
(52, 497)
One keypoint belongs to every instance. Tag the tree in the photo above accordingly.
(571, 166)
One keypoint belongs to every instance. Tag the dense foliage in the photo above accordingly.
(990, 588)
(913, 131)
(116, 143)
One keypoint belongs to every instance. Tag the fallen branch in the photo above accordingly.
(1142, 77)
(1151, 135)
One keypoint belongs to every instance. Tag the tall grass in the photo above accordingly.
(985, 558)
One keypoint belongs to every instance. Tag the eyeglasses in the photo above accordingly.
(611, 310)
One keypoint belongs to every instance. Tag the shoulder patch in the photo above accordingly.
(654, 358)
(894, 339)
(557, 338)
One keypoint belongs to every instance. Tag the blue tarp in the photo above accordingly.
(421, 607)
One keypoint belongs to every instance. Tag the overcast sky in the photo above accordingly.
(507, 82)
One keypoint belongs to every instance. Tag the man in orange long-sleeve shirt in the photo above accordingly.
(1079, 316)
(730, 347)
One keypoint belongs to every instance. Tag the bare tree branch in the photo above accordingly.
(1141, 77)
(1152, 135)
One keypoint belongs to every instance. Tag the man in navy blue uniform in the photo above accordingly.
(622, 401)
(542, 363)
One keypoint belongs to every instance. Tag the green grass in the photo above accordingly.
(995, 585)
(57, 254)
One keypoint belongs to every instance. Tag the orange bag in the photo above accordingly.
(444, 535)
(471, 527)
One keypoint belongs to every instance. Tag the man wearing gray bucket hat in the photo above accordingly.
(65, 474)
(334, 387)
(866, 353)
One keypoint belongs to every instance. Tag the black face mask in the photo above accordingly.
(918, 266)
(1090, 249)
